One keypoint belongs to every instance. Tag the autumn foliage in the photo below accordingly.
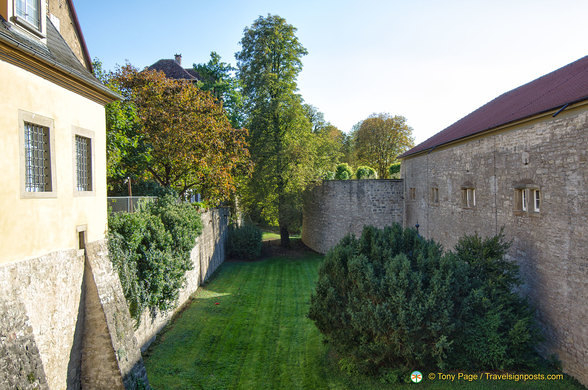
(185, 138)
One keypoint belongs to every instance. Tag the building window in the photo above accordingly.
(468, 198)
(434, 195)
(536, 200)
(28, 11)
(83, 163)
(37, 155)
(412, 193)
(527, 199)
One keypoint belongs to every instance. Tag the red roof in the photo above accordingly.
(554, 90)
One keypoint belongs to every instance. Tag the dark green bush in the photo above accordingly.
(343, 172)
(150, 249)
(244, 242)
(365, 172)
(392, 300)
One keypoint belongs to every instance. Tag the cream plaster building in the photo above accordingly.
(58, 294)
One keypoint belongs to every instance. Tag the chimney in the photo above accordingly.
(178, 58)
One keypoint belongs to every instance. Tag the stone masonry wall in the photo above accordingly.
(208, 254)
(550, 246)
(65, 324)
(39, 305)
(339, 207)
(111, 357)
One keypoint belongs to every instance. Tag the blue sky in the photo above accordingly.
(431, 61)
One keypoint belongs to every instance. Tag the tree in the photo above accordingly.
(280, 138)
(219, 78)
(179, 136)
(381, 138)
(365, 172)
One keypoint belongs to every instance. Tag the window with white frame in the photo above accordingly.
(468, 197)
(30, 15)
(83, 163)
(37, 156)
(527, 199)
(28, 11)
(536, 198)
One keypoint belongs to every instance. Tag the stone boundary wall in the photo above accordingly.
(65, 324)
(336, 208)
(208, 254)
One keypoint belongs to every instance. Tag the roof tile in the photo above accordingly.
(568, 84)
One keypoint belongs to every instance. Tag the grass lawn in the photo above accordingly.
(269, 236)
(246, 329)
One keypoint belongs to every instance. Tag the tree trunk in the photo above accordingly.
(284, 237)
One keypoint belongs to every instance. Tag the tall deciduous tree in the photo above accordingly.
(280, 132)
(219, 78)
(181, 136)
(379, 139)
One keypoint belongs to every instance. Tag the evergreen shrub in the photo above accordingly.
(343, 172)
(365, 172)
(391, 300)
(244, 242)
(150, 249)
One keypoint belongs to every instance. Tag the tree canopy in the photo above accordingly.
(219, 79)
(282, 146)
(174, 133)
(380, 139)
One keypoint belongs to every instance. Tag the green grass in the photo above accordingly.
(257, 337)
(276, 236)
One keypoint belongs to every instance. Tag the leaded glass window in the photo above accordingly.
(37, 158)
(83, 163)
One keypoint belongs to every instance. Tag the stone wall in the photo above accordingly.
(339, 207)
(111, 357)
(65, 324)
(549, 154)
(41, 299)
(208, 254)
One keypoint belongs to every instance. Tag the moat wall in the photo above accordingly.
(550, 245)
(65, 321)
(208, 254)
(340, 207)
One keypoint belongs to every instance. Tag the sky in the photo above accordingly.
(430, 61)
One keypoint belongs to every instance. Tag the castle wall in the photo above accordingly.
(208, 254)
(548, 154)
(339, 207)
(65, 323)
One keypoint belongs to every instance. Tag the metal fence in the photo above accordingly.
(127, 203)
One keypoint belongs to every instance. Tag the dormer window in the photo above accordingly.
(29, 11)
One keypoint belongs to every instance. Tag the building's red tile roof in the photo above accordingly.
(554, 90)
(173, 70)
